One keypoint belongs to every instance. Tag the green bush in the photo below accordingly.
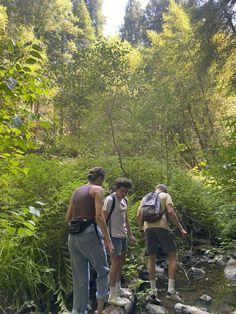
(33, 231)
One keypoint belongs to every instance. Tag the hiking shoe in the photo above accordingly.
(124, 293)
(117, 301)
(174, 297)
(152, 298)
(153, 292)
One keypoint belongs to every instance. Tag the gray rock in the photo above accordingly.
(197, 273)
(211, 261)
(209, 254)
(129, 305)
(206, 299)
(160, 272)
(121, 310)
(230, 270)
(187, 309)
(218, 259)
(221, 263)
(114, 310)
(233, 253)
(155, 309)
(234, 312)
(163, 265)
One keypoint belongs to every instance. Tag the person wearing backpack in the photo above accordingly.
(115, 211)
(155, 210)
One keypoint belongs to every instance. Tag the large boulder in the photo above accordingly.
(230, 270)
(232, 253)
(155, 309)
(206, 299)
(197, 273)
(187, 309)
(121, 310)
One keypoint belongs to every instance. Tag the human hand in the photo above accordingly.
(184, 233)
(109, 247)
(132, 240)
(142, 234)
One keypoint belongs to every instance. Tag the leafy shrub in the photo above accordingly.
(36, 204)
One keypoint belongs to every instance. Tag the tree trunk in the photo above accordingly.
(109, 114)
(202, 144)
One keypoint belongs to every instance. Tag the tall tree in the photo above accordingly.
(153, 19)
(131, 30)
(210, 18)
(95, 11)
(44, 16)
(179, 89)
(84, 23)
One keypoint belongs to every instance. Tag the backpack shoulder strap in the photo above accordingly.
(112, 207)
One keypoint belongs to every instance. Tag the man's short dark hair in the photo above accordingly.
(123, 182)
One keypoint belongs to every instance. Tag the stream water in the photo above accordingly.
(214, 284)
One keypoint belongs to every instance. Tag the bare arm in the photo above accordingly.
(99, 217)
(139, 218)
(139, 221)
(129, 230)
(105, 213)
(175, 219)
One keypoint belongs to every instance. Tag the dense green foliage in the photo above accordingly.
(157, 105)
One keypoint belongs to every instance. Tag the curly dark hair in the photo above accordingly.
(123, 182)
(95, 173)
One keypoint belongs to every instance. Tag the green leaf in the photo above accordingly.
(4, 216)
(45, 124)
(24, 210)
(28, 232)
(11, 46)
(18, 67)
(27, 69)
(6, 89)
(31, 61)
(22, 145)
(11, 230)
(36, 54)
(29, 225)
(37, 47)
(21, 232)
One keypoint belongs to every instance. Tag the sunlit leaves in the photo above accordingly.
(37, 48)
(30, 61)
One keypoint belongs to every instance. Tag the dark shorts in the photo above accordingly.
(120, 245)
(162, 237)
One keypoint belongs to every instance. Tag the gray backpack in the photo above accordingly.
(151, 207)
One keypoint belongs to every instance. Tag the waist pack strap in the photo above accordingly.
(79, 225)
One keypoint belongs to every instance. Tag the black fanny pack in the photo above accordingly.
(78, 225)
